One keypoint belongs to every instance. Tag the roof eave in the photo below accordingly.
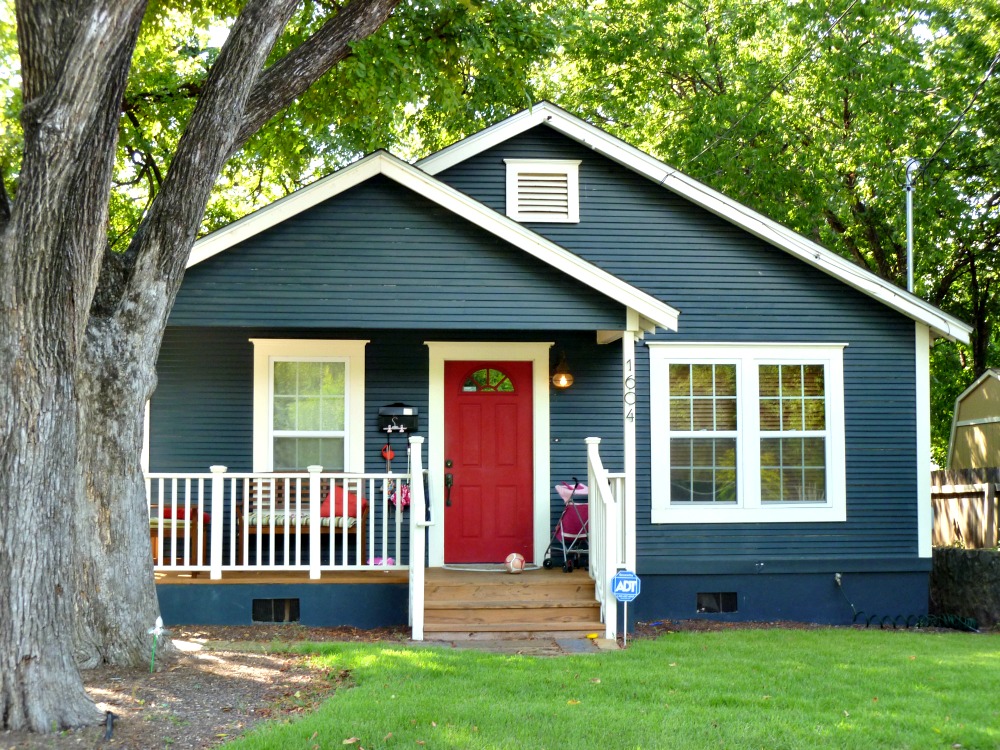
(711, 200)
(654, 311)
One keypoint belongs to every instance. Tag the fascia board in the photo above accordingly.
(711, 200)
(284, 208)
(649, 307)
(484, 139)
(759, 225)
(990, 373)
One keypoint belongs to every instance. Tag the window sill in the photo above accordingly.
(835, 513)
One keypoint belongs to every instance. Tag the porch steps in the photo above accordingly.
(478, 605)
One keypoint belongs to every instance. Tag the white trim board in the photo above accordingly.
(701, 195)
(922, 367)
(653, 312)
(351, 351)
(538, 354)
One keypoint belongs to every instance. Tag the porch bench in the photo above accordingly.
(265, 504)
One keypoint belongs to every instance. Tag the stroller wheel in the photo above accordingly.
(568, 567)
(547, 563)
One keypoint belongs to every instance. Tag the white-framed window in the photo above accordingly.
(545, 190)
(309, 400)
(747, 433)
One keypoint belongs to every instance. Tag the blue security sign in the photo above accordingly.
(625, 585)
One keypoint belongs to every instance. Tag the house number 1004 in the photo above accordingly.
(628, 397)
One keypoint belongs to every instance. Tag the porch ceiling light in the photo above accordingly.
(562, 377)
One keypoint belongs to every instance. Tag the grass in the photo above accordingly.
(835, 688)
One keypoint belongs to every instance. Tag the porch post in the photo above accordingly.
(315, 538)
(626, 524)
(418, 523)
(218, 515)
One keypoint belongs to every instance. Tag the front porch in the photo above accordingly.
(228, 542)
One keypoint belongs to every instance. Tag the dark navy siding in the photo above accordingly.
(360, 605)
(893, 596)
(732, 287)
(381, 257)
(380, 263)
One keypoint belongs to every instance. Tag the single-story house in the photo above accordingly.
(383, 356)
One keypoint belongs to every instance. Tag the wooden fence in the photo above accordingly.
(965, 507)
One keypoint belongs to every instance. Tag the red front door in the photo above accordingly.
(489, 508)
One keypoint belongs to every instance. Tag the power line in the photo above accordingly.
(961, 117)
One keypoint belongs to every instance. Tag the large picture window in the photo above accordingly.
(744, 433)
(308, 404)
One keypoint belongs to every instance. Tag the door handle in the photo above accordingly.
(449, 481)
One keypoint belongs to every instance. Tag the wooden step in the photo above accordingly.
(507, 603)
(584, 628)
(460, 618)
(463, 603)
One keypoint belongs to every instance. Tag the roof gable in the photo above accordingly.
(650, 312)
(710, 200)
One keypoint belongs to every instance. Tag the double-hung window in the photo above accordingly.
(747, 433)
(308, 404)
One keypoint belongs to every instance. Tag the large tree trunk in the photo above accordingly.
(117, 603)
(75, 564)
(134, 301)
(40, 687)
(75, 59)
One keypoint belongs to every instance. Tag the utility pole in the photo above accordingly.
(911, 167)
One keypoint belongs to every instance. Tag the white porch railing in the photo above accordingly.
(250, 521)
(607, 528)
(418, 539)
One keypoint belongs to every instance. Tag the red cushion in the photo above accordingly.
(339, 504)
(168, 512)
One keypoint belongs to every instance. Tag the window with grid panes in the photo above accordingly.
(742, 432)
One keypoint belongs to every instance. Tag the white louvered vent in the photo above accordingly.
(543, 190)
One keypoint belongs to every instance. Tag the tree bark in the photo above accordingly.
(75, 61)
(134, 299)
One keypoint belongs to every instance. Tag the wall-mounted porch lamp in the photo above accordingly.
(562, 377)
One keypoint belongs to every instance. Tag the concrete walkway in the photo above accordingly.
(529, 646)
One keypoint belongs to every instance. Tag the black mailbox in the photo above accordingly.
(398, 418)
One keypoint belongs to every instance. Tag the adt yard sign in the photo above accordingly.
(625, 585)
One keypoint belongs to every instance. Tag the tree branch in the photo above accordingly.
(288, 78)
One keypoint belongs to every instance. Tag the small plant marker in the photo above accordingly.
(156, 631)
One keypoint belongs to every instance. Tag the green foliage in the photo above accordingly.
(826, 688)
(10, 96)
(808, 113)
(434, 73)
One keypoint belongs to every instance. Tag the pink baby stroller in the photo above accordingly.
(570, 536)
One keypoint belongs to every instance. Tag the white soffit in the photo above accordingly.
(651, 310)
(701, 195)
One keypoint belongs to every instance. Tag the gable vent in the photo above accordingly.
(543, 190)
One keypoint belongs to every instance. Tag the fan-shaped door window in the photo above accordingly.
(487, 380)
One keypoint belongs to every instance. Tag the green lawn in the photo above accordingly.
(833, 688)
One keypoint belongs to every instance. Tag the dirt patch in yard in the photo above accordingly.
(209, 692)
